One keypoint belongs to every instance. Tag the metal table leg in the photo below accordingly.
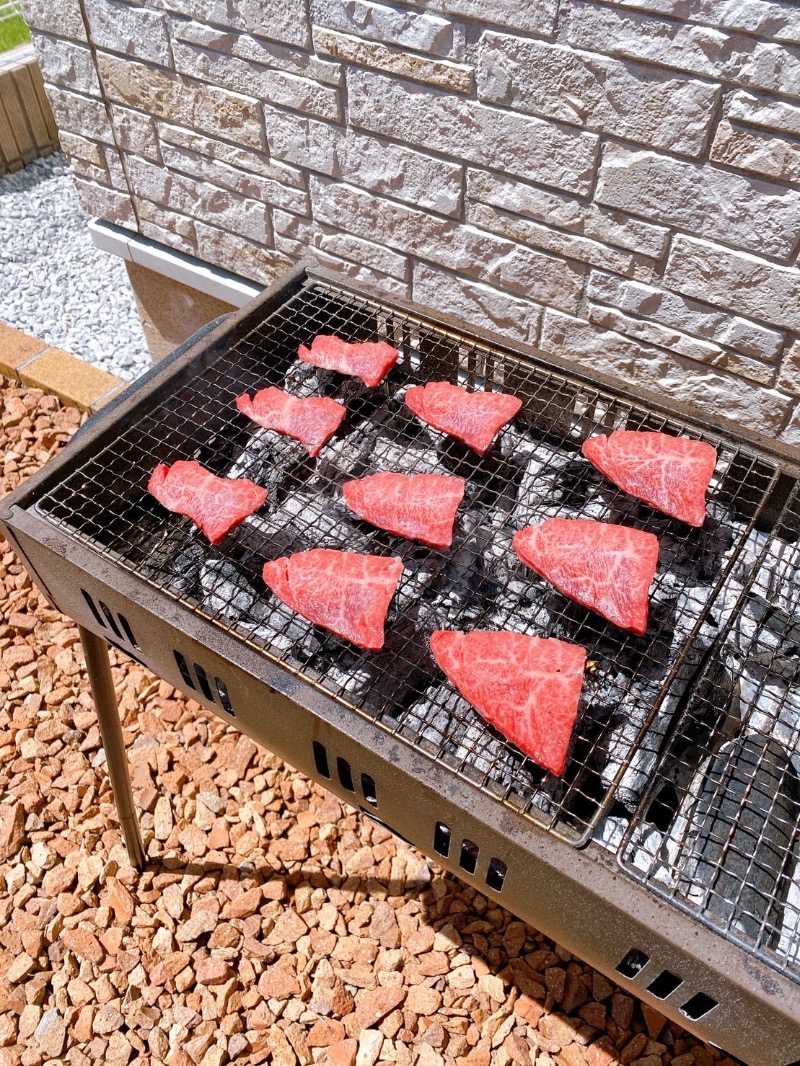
(95, 651)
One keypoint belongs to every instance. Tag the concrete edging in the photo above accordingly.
(38, 365)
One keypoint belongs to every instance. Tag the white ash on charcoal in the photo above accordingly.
(175, 559)
(445, 724)
(374, 448)
(770, 705)
(268, 458)
(257, 615)
(788, 945)
(304, 519)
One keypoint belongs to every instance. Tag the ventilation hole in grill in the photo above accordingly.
(123, 621)
(496, 874)
(633, 962)
(186, 673)
(321, 759)
(345, 773)
(469, 856)
(698, 1006)
(795, 1063)
(224, 697)
(111, 620)
(368, 788)
(441, 839)
(202, 678)
(665, 984)
(91, 605)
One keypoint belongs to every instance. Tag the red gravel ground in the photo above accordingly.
(273, 925)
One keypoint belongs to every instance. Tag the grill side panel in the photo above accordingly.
(577, 897)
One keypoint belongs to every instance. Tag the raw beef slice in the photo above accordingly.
(419, 506)
(670, 473)
(368, 360)
(345, 592)
(312, 420)
(215, 504)
(472, 417)
(526, 687)
(605, 567)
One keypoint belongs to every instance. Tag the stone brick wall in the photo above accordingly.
(613, 180)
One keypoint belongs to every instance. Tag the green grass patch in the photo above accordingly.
(13, 31)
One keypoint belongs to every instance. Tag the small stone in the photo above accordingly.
(492, 986)
(325, 1032)
(84, 944)
(343, 1053)
(12, 830)
(212, 971)
(278, 982)
(421, 999)
(20, 968)
(121, 901)
(622, 1010)
(162, 819)
(51, 1034)
(374, 1005)
(107, 1020)
(244, 905)
(461, 977)
(370, 1043)
(653, 1019)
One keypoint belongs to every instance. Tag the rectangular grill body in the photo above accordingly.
(383, 731)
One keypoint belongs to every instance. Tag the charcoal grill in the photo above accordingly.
(666, 856)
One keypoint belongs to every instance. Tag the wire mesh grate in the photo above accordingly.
(718, 831)
(533, 472)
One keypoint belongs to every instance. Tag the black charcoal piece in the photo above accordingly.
(742, 836)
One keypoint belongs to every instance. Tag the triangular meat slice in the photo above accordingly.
(344, 592)
(311, 420)
(526, 687)
(472, 417)
(368, 360)
(419, 506)
(672, 474)
(605, 567)
(215, 504)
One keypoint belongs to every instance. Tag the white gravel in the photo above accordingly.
(54, 283)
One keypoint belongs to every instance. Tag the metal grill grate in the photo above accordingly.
(720, 825)
(533, 472)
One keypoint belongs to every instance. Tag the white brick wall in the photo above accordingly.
(617, 181)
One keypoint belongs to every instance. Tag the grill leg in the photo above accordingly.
(95, 652)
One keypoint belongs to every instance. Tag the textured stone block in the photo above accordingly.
(713, 203)
(367, 253)
(358, 272)
(135, 132)
(765, 17)
(549, 240)
(243, 182)
(199, 200)
(218, 112)
(378, 165)
(67, 64)
(244, 158)
(476, 303)
(74, 381)
(257, 50)
(80, 114)
(457, 77)
(134, 31)
(674, 341)
(63, 18)
(631, 100)
(700, 49)
(278, 20)
(757, 151)
(78, 147)
(741, 282)
(565, 212)
(789, 377)
(670, 376)
(179, 231)
(537, 17)
(689, 316)
(16, 348)
(247, 258)
(242, 76)
(791, 434)
(449, 243)
(390, 24)
(531, 148)
(764, 111)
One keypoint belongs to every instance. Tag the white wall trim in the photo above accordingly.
(194, 273)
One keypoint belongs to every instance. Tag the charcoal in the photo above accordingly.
(739, 837)
(229, 595)
(267, 459)
(789, 939)
(175, 566)
(298, 522)
(369, 450)
(771, 706)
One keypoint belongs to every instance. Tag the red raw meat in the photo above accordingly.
(312, 420)
(526, 687)
(670, 473)
(421, 506)
(472, 417)
(368, 360)
(215, 504)
(345, 592)
(605, 567)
